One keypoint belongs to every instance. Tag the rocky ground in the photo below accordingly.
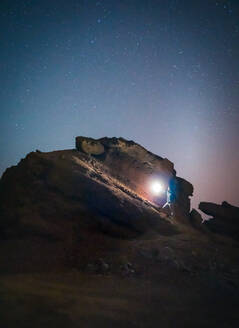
(83, 245)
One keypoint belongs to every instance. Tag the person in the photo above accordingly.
(171, 196)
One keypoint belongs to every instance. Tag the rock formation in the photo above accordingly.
(82, 235)
(135, 167)
(196, 219)
(108, 178)
(101, 187)
(225, 218)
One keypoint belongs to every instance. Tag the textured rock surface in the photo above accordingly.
(71, 195)
(136, 168)
(89, 146)
(225, 210)
(51, 193)
(225, 218)
(196, 218)
(71, 200)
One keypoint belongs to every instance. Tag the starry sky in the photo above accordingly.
(162, 73)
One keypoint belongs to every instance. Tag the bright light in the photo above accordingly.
(157, 187)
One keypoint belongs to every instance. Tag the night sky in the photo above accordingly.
(162, 73)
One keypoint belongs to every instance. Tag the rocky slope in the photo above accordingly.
(101, 188)
(50, 192)
(91, 209)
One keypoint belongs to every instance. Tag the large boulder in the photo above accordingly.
(225, 218)
(54, 194)
(137, 168)
(104, 184)
(225, 211)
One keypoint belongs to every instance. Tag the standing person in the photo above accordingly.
(171, 196)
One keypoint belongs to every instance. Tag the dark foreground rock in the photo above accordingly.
(196, 219)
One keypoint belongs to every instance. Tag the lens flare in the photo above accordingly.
(157, 187)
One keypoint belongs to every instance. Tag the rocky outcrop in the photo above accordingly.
(183, 194)
(225, 218)
(89, 146)
(91, 208)
(103, 184)
(137, 168)
(196, 219)
(225, 211)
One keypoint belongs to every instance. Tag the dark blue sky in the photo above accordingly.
(163, 73)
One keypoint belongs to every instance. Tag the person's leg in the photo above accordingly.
(166, 205)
